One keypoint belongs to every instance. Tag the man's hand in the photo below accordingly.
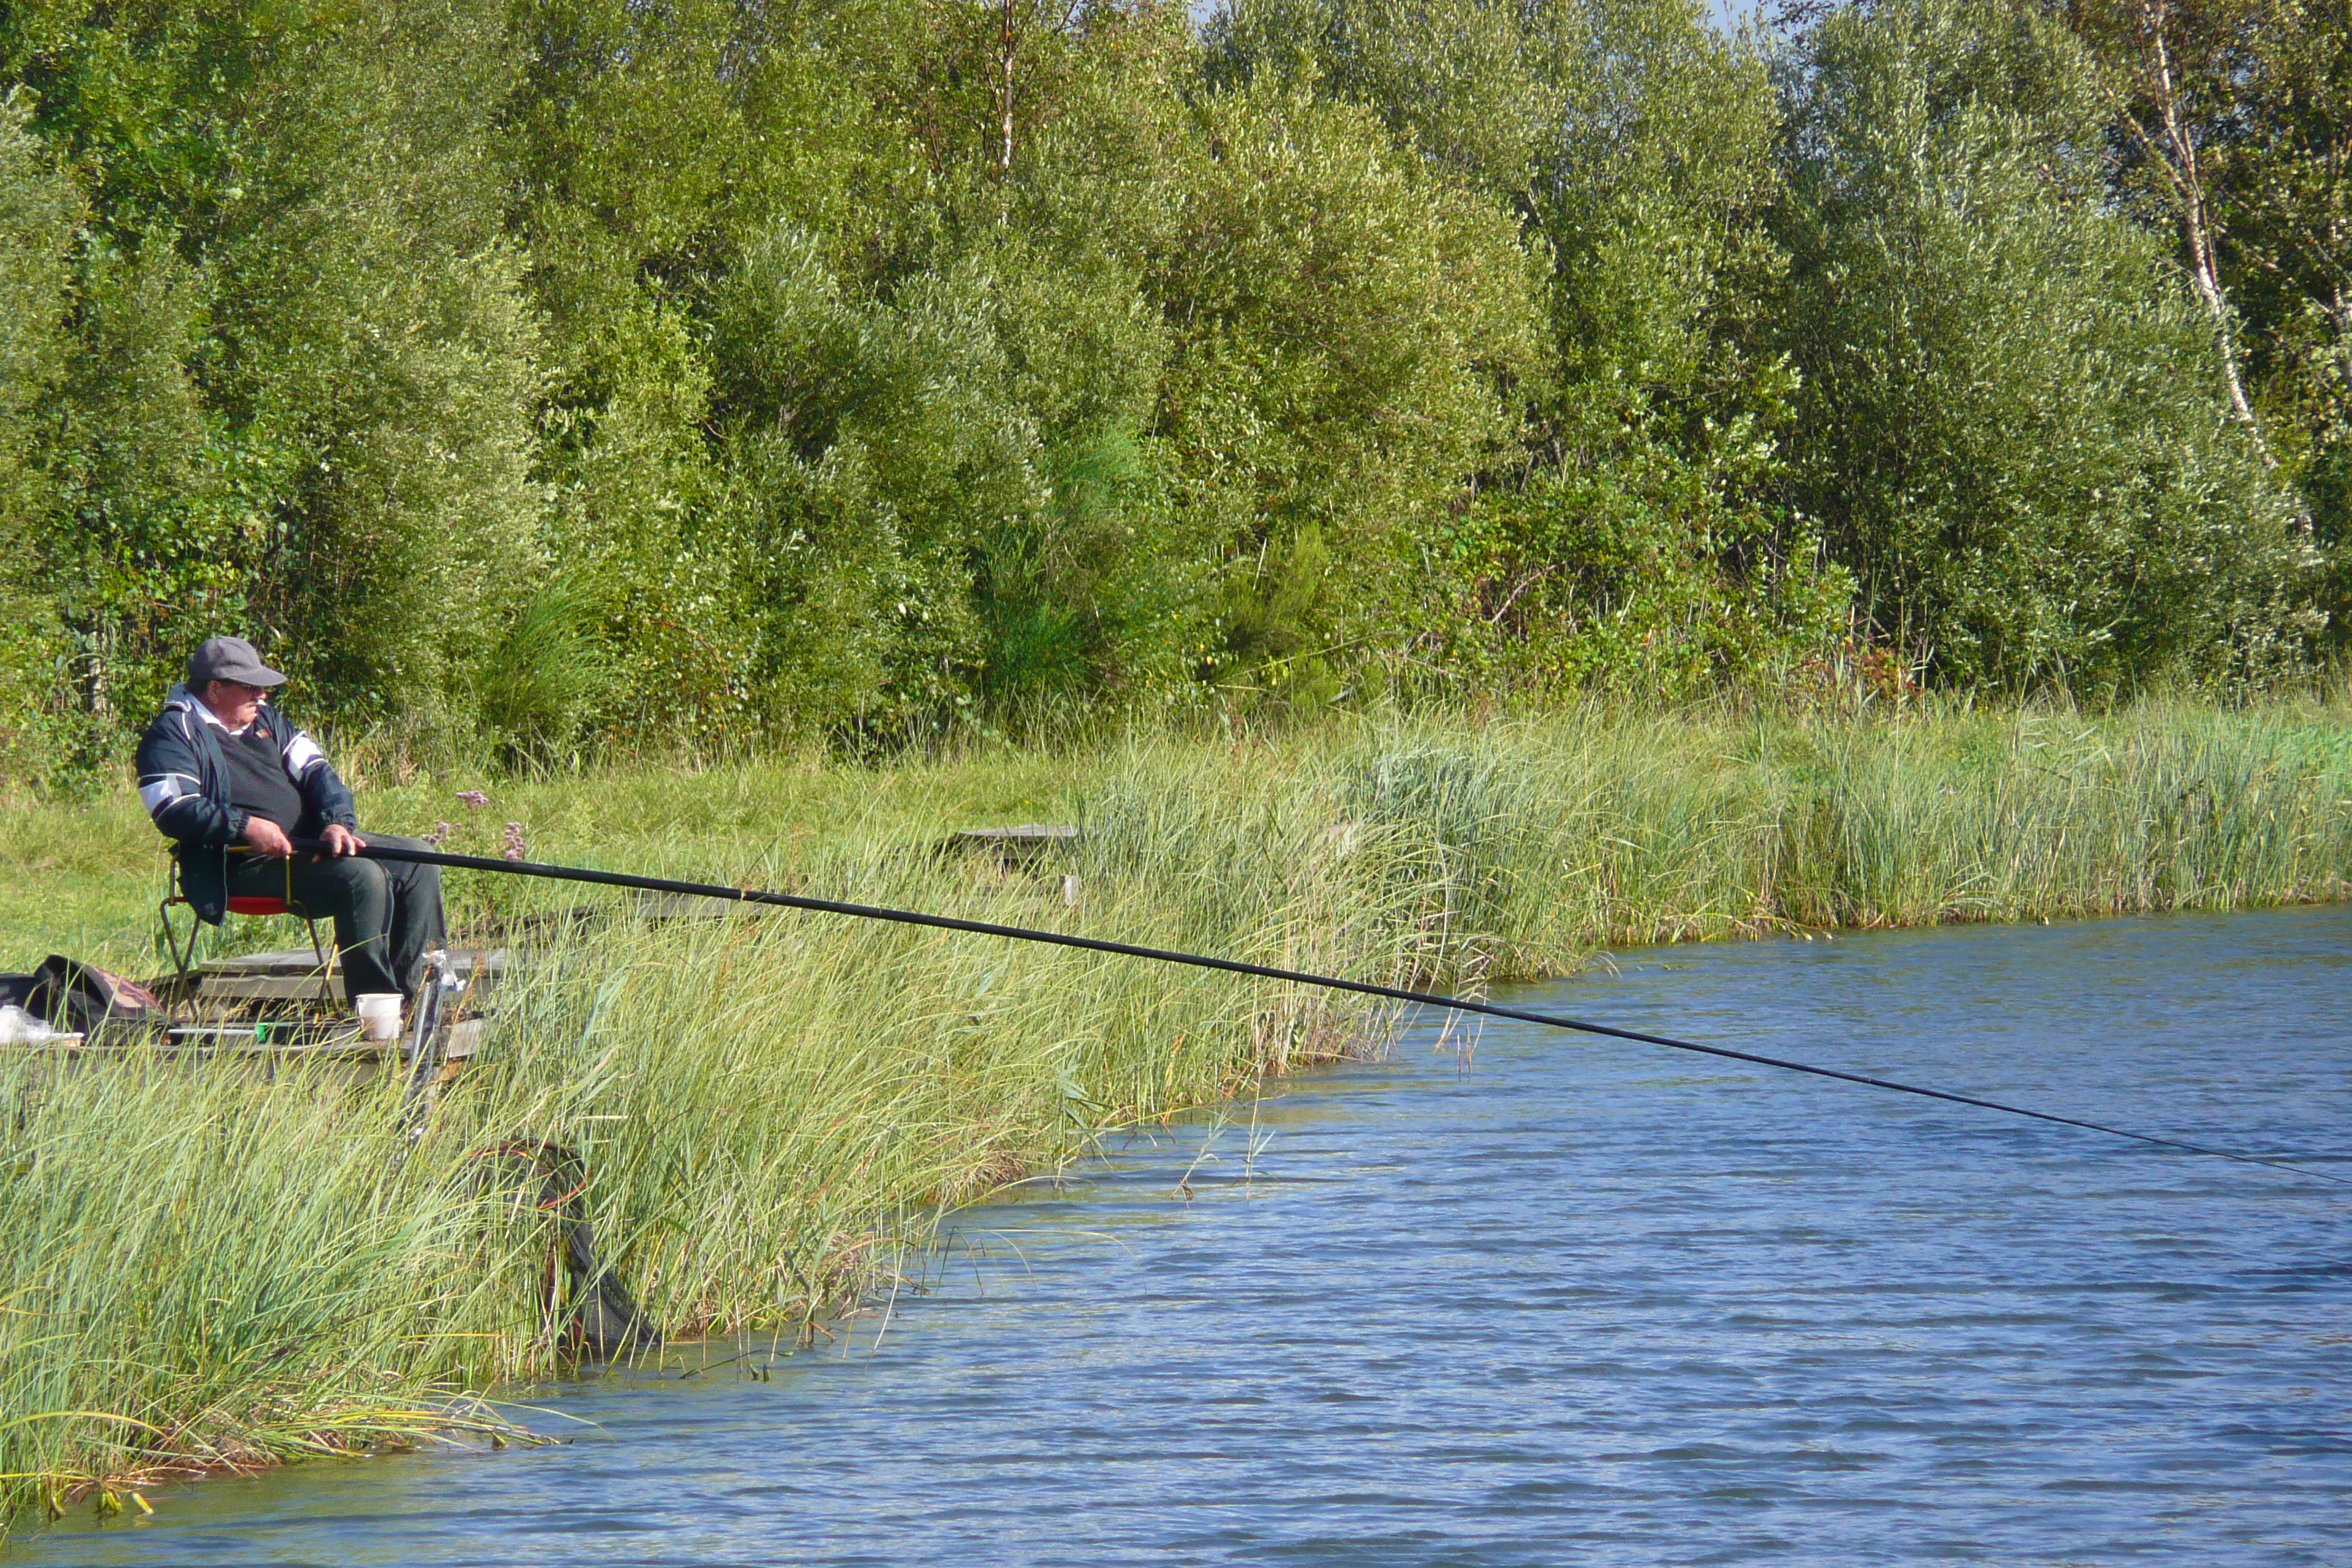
(341, 840)
(266, 837)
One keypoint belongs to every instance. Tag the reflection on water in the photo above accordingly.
(1579, 1302)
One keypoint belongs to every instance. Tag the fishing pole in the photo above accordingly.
(1269, 972)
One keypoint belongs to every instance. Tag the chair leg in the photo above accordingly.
(172, 941)
(319, 952)
(184, 982)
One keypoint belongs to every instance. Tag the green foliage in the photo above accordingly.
(39, 211)
(1654, 550)
(2284, 195)
(853, 369)
(1630, 535)
(629, 478)
(299, 401)
(2012, 418)
(1352, 326)
(1464, 83)
(376, 336)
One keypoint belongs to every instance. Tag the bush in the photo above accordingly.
(2011, 417)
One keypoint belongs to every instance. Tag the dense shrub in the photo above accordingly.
(2013, 416)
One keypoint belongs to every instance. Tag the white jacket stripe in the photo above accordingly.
(164, 791)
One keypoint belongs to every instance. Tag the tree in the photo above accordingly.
(1629, 535)
(297, 402)
(1461, 82)
(40, 213)
(1347, 327)
(2286, 201)
(2013, 418)
(2171, 71)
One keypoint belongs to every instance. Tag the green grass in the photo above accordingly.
(202, 1268)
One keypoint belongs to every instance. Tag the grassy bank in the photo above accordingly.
(202, 1266)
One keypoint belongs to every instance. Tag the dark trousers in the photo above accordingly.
(386, 912)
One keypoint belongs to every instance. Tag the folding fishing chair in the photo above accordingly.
(253, 904)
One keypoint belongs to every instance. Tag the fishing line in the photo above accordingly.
(1269, 972)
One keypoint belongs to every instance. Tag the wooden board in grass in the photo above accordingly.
(1024, 844)
(291, 976)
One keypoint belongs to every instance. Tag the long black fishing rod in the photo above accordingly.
(1266, 972)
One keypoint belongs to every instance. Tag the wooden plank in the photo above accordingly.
(1036, 833)
(62, 1042)
(1023, 844)
(293, 976)
(336, 1043)
(286, 960)
(270, 988)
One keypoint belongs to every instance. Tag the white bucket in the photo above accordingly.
(379, 1014)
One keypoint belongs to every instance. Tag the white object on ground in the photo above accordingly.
(18, 1027)
(379, 1014)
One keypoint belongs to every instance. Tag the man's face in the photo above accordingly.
(232, 702)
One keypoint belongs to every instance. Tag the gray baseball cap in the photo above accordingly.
(230, 658)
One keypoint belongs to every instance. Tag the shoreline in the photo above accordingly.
(764, 1102)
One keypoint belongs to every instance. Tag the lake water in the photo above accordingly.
(1562, 1301)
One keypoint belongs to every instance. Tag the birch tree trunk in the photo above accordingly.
(2174, 59)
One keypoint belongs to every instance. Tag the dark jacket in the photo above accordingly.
(185, 782)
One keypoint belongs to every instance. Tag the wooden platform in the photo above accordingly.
(290, 976)
(262, 1015)
(1025, 845)
(333, 1053)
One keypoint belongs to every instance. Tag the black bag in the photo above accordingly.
(83, 999)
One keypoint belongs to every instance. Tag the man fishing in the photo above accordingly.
(234, 782)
